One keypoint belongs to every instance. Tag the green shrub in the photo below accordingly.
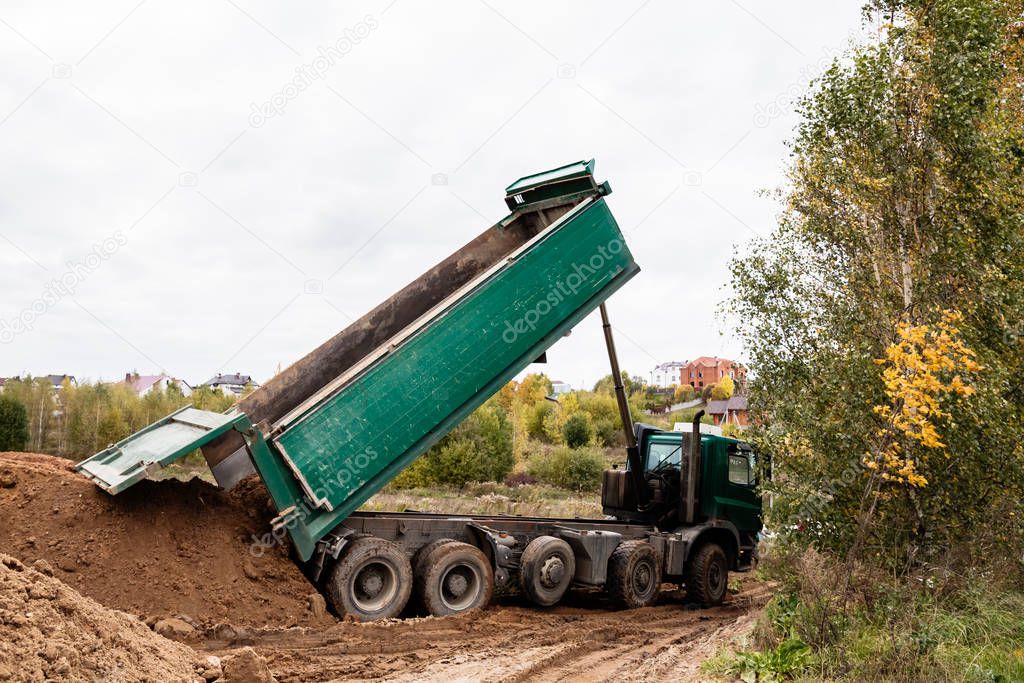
(577, 430)
(576, 469)
(732, 430)
(13, 425)
(790, 657)
(536, 418)
(479, 449)
(608, 432)
(598, 406)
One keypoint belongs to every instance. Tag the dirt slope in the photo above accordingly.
(48, 630)
(159, 549)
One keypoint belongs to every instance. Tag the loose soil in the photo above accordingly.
(49, 631)
(160, 549)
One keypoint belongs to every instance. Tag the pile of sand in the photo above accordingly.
(49, 631)
(160, 549)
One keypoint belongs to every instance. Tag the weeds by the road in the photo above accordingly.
(965, 629)
(489, 498)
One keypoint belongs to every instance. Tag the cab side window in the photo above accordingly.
(741, 468)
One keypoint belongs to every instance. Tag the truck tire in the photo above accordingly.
(371, 580)
(418, 566)
(546, 569)
(707, 576)
(634, 575)
(452, 577)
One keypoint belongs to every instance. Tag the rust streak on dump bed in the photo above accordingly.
(309, 374)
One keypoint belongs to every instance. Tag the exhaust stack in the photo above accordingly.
(692, 465)
(632, 451)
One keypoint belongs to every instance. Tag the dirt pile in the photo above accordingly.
(49, 631)
(166, 549)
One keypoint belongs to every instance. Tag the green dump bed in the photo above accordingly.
(383, 391)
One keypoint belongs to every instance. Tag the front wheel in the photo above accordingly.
(372, 580)
(707, 577)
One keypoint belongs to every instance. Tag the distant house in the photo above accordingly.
(558, 387)
(732, 410)
(144, 384)
(708, 370)
(58, 381)
(230, 384)
(666, 374)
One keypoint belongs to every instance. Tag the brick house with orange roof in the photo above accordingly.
(708, 370)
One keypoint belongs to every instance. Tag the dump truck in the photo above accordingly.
(335, 427)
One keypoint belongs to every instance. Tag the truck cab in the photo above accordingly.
(719, 505)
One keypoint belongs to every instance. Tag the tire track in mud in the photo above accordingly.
(508, 644)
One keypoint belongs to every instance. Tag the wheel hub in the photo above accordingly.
(552, 572)
(371, 583)
(374, 586)
(642, 578)
(715, 577)
(459, 587)
(456, 584)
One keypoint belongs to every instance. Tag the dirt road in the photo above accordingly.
(509, 642)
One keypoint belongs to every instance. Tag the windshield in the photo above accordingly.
(663, 455)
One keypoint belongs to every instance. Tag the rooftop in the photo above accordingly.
(733, 403)
(236, 379)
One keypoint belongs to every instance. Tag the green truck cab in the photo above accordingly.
(340, 423)
(723, 504)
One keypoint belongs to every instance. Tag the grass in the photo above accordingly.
(489, 499)
(897, 630)
(976, 635)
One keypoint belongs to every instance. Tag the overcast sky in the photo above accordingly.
(154, 216)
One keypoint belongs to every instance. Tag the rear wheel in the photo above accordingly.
(371, 580)
(634, 574)
(707, 577)
(546, 569)
(453, 577)
(419, 559)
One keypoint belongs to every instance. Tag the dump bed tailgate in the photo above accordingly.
(128, 461)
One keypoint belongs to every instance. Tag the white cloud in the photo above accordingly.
(136, 117)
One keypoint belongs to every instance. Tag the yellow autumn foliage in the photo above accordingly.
(923, 367)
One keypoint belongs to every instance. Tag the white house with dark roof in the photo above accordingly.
(57, 381)
(230, 384)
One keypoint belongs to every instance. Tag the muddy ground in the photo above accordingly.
(583, 640)
(175, 556)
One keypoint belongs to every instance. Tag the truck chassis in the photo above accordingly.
(456, 562)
